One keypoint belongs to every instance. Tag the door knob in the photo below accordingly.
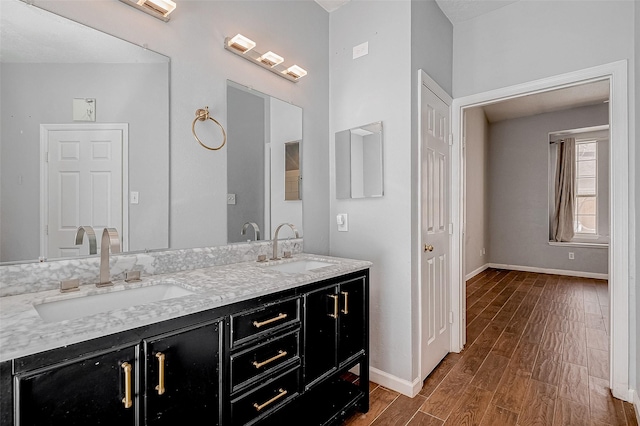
(428, 247)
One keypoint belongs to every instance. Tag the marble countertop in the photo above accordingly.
(23, 332)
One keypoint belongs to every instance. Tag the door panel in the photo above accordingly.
(320, 333)
(352, 320)
(84, 186)
(85, 392)
(435, 214)
(186, 363)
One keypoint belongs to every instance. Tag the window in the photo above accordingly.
(585, 218)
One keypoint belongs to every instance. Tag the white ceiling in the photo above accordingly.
(554, 100)
(32, 35)
(455, 10)
(463, 10)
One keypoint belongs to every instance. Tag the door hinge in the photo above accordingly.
(450, 317)
(450, 139)
(46, 157)
(46, 230)
(451, 229)
(464, 142)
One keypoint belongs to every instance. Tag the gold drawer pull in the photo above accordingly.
(280, 316)
(335, 306)
(160, 387)
(127, 385)
(346, 302)
(281, 393)
(257, 364)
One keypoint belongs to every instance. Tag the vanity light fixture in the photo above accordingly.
(295, 72)
(245, 47)
(156, 8)
(271, 59)
(240, 43)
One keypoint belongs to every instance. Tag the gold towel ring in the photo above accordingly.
(203, 115)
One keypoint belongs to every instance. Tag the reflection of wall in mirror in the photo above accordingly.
(34, 94)
(245, 162)
(286, 126)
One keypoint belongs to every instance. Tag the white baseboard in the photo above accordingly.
(550, 271)
(476, 272)
(397, 384)
(636, 404)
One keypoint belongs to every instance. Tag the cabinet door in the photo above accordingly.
(320, 333)
(181, 377)
(89, 391)
(352, 319)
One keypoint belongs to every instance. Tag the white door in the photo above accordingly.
(434, 264)
(84, 186)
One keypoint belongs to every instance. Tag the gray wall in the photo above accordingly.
(200, 66)
(374, 88)
(29, 99)
(476, 133)
(245, 162)
(518, 192)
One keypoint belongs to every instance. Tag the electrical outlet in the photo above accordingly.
(484, 251)
(571, 255)
(231, 198)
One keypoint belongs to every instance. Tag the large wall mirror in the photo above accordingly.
(358, 156)
(58, 170)
(263, 163)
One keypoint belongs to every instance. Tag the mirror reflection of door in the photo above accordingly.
(82, 184)
(292, 176)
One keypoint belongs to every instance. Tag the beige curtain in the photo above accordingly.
(565, 190)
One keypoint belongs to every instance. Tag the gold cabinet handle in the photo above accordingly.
(257, 364)
(428, 247)
(280, 316)
(127, 385)
(346, 302)
(281, 393)
(160, 388)
(335, 305)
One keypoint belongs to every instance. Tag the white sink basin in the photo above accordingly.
(299, 266)
(88, 305)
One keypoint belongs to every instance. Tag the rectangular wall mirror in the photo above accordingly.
(265, 143)
(359, 162)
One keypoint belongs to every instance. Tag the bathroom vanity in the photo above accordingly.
(253, 344)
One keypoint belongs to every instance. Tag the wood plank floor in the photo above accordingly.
(536, 354)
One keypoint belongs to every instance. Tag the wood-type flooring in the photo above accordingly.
(536, 354)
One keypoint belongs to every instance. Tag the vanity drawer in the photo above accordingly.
(250, 406)
(263, 359)
(272, 317)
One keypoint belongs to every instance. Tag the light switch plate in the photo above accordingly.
(343, 222)
(134, 197)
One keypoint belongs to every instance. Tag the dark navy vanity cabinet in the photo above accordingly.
(279, 359)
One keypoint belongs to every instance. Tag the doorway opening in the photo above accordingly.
(614, 78)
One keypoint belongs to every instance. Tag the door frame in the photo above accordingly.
(620, 247)
(425, 80)
(44, 176)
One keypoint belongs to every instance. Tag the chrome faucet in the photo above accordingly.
(275, 238)
(110, 241)
(91, 235)
(256, 229)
